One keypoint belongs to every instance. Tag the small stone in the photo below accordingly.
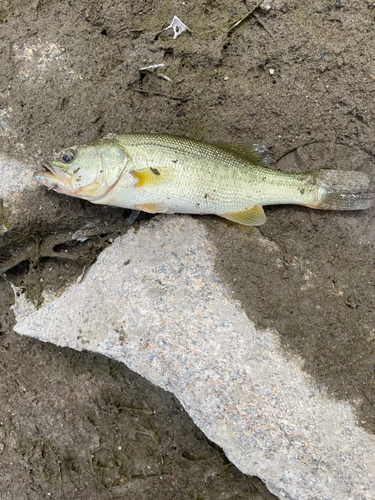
(178, 27)
(266, 5)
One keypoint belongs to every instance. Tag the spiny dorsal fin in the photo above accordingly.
(253, 216)
(256, 154)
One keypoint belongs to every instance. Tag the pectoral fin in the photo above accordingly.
(253, 216)
(148, 177)
(154, 208)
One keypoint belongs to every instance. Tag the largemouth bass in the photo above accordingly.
(166, 174)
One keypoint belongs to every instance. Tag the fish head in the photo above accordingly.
(87, 172)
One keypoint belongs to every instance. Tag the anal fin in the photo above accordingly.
(253, 216)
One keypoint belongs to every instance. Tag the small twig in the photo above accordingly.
(237, 23)
(60, 475)
(165, 77)
(152, 434)
(148, 412)
(263, 25)
(152, 66)
(294, 149)
(365, 395)
(175, 98)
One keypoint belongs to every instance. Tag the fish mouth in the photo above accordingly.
(48, 167)
(52, 176)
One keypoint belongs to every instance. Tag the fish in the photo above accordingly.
(159, 173)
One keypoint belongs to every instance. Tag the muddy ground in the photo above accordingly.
(299, 78)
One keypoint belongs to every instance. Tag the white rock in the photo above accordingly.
(178, 27)
(266, 5)
(153, 302)
(16, 178)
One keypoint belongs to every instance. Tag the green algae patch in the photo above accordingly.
(5, 212)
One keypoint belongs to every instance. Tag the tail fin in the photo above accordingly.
(342, 190)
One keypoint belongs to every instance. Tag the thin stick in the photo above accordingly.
(175, 98)
(263, 25)
(245, 17)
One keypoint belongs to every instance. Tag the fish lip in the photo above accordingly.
(48, 168)
(54, 176)
(47, 179)
(57, 172)
(50, 176)
(47, 174)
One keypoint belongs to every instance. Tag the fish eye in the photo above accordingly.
(68, 156)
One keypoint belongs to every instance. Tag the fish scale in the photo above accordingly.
(228, 181)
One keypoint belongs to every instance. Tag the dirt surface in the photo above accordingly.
(313, 281)
(299, 78)
(79, 426)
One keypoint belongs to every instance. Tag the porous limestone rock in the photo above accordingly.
(16, 180)
(152, 301)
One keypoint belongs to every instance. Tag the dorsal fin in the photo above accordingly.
(256, 154)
